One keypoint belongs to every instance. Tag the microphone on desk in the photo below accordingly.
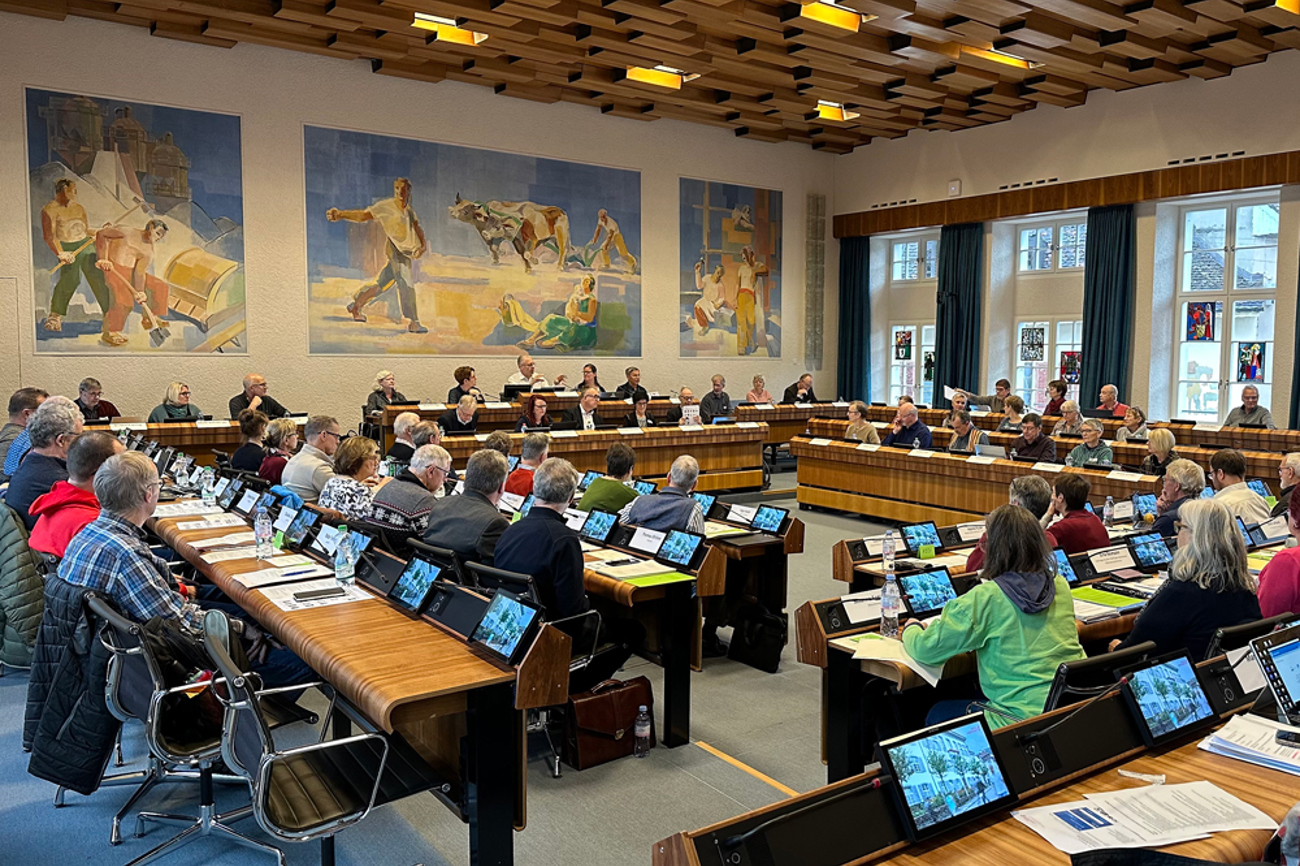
(1026, 739)
(731, 843)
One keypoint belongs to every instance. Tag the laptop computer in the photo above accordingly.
(990, 451)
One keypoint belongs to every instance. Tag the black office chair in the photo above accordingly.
(452, 563)
(222, 459)
(491, 579)
(1237, 636)
(1086, 678)
(395, 541)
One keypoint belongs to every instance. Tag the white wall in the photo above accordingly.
(276, 92)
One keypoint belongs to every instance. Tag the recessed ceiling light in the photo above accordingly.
(661, 76)
(446, 30)
(834, 15)
(1003, 57)
(827, 110)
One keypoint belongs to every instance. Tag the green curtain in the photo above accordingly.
(959, 326)
(854, 366)
(1109, 288)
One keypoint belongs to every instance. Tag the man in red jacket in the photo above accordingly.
(70, 505)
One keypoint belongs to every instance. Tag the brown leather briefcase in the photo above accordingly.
(599, 724)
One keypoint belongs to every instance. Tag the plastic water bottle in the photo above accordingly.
(209, 486)
(1069, 459)
(888, 548)
(1014, 455)
(1108, 512)
(915, 445)
(890, 603)
(345, 561)
(262, 532)
(642, 731)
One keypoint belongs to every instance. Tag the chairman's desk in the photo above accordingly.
(496, 415)
(199, 440)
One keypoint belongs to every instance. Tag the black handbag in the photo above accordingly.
(758, 638)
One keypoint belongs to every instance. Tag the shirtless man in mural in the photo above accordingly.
(614, 239)
(124, 255)
(405, 243)
(66, 229)
(748, 275)
(713, 296)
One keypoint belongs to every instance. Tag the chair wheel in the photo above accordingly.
(312, 719)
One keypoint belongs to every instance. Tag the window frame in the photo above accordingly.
(922, 240)
(1054, 245)
(918, 390)
(1037, 399)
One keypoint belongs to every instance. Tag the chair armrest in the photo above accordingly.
(571, 626)
(281, 689)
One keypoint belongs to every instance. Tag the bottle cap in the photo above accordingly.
(641, 708)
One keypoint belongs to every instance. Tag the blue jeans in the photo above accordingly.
(282, 666)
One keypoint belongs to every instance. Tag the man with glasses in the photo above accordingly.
(1032, 442)
(93, 407)
(1250, 412)
(1288, 473)
(254, 396)
(307, 471)
(403, 504)
(53, 429)
(1183, 482)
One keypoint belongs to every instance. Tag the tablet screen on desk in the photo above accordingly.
(927, 592)
(679, 548)
(227, 496)
(1150, 550)
(706, 501)
(413, 588)
(1064, 567)
(598, 525)
(1279, 658)
(512, 462)
(1166, 698)
(297, 530)
(934, 793)
(920, 534)
(644, 488)
(769, 519)
(508, 620)
(1144, 504)
(591, 476)
(527, 505)
(1259, 487)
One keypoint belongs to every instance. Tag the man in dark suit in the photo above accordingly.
(687, 398)
(470, 524)
(628, 388)
(254, 396)
(801, 391)
(461, 418)
(584, 415)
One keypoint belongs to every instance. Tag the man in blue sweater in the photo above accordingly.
(908, 428)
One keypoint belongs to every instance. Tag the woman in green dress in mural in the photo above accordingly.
(574, 330)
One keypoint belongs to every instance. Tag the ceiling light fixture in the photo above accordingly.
(661, 76)
(834, 15)
(446, 30)
(997, 56)
(827, 110)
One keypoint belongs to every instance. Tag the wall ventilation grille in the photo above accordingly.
(892, 203)
(1209, 157)
(1027, 183)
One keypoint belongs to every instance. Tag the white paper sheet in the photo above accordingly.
(630, 431)
(186, 508)
(234, 539)
(746, 425)
(230, 555)
(970, 531)
(1047, 467)
(286, 518)
(647, 540)
(873, 646)
(819, 441)
(862, 607)
(1111, 559)
(1252, 739)
(979, 460)
(282, 595)
(742, 513)
(644, 568)
(269, 576)
(212, 521)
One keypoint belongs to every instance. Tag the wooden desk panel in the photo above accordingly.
(489, 420)
(198, 442)
(785, 420)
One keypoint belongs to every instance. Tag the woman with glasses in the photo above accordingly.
(1093, 451)
(281, 442)
(175, 405)
(383, 393)
(1209, 585)
(534, 414)
(349, 492)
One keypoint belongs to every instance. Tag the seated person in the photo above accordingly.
(590, 379)
(176, 405)
(1030, 492)
(22, 404)
(1078, 528)
(111, 556)
(1019, 621)
(759, 393)
(716, 403)
(611, 492)
(403, 444)
(640, 414)
(349, 490)
(908, 430)
(531, 455)
(383, 393)
(1056, 391)
(542, 545)
(1160, 452)
(1279, 582)
(528, 374)
(995, 401)
(584, 415)
(55, 425)
(1249, 412)
(1209, 585)
(91, 403)
(633, 381)
(466, 386)
(1093, 451)
(1110, 401)
(307, 471)
(405, 502)
(860, 429)
(460, 419)
(960, 403)
(1288, 474)
(675, 413)
(672, 506)
(1183, 482)
(499, 440)
(248, 457)
(470, 524)
(254, 396)
(534, 414)
(1012, 407)
(1032, 442)
(1228, 475)
(801, 391)
(965, 435)
(1071, 423)
(1134, 426)
(281, 442)
(70, 505)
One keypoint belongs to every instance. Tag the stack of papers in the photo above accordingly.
(186, 508)
(605, 554)
(645, 568)
(874, 646)
(282, 596)
(713, 529)
(1251, 739)
(1260, 558)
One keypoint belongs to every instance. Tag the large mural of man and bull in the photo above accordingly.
(415, 247)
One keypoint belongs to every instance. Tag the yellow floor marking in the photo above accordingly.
(789, 792)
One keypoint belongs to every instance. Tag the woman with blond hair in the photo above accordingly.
(281, 443)
(758, 393)
(176, 406)
(1160, 452)
(383, 393)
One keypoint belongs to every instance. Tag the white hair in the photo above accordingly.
(684, 471)
(57, 416)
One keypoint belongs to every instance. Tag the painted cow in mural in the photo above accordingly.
(524, 224)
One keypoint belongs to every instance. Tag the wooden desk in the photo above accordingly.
(404, 675)
(489, 420)
(787, 420)
(198, 442)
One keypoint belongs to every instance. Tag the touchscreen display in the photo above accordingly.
(928, 591)
(679, 547)
(644, 488)
(706, 501)
(598, 525)
(768, 518)
(527, 505)
(228, 495)
(1064, 567)
(504, 624)
(591, 476)
(413, 587)
(1282, 665)
(1245, 535)
(1259, 487)
(297, 530)
(1151, 550)
(919, 534)
(1207, 492)
(512, 462)
(1168, 697)
(1144, 503)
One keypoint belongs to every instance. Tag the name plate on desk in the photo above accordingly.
(566, 393)
(746, 425)
(564, 434)
(875, 545)
(432, 407)
(1124, 476)
(1111, 559)
(868, 446)
(970, 531)
(694, 428)
(921, 452)
(1207, 427)
(977, 413)
(840, 404)
(676, 401)
(1046, 467)
(630, 431)
(764, 407)
(819, 441)
(497, 404)
(128, 425)
(980, 460)
(207, 425)
(742, 513)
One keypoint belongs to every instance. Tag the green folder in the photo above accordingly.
(1107, 599)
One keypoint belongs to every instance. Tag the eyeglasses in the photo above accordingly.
(445, 470)
(185, 393)
(1179, 526)
(338, 436)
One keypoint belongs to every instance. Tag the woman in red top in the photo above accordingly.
(534, 414)
(1279, 582)
(1056, 392)
(281, 442)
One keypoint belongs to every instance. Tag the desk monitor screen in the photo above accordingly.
(990, 451)
(512, 462)
(507, 626)
(1259, 487)
(931, 802)
(301, 525)
(1144, 504)
(644, 488)
(598, 525)
(591, 476)
(1166, 698)
(414, 587)
(927, 592)
(680, 548)
(768, 518)
(1279, 658)
(228, 495)
(1150, 550)
(527, 505)
(706, 501)
(1245, 533)
(919, 534)
(1064, 567)
(1087, 506)
(1207, 492)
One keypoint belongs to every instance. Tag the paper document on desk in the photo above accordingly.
(230, 555)
(713, 529)
(1251, 739)
(862, 607)
(873, 646)
(213, 521)
(645, 568)
(286, 574)
(1147, 817)
(1086, 611)
(605, 554)
(282, 595)
(234, 539)
(186, 508)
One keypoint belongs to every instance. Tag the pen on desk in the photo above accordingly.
(299, 571)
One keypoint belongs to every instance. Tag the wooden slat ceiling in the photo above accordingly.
(919, 64)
